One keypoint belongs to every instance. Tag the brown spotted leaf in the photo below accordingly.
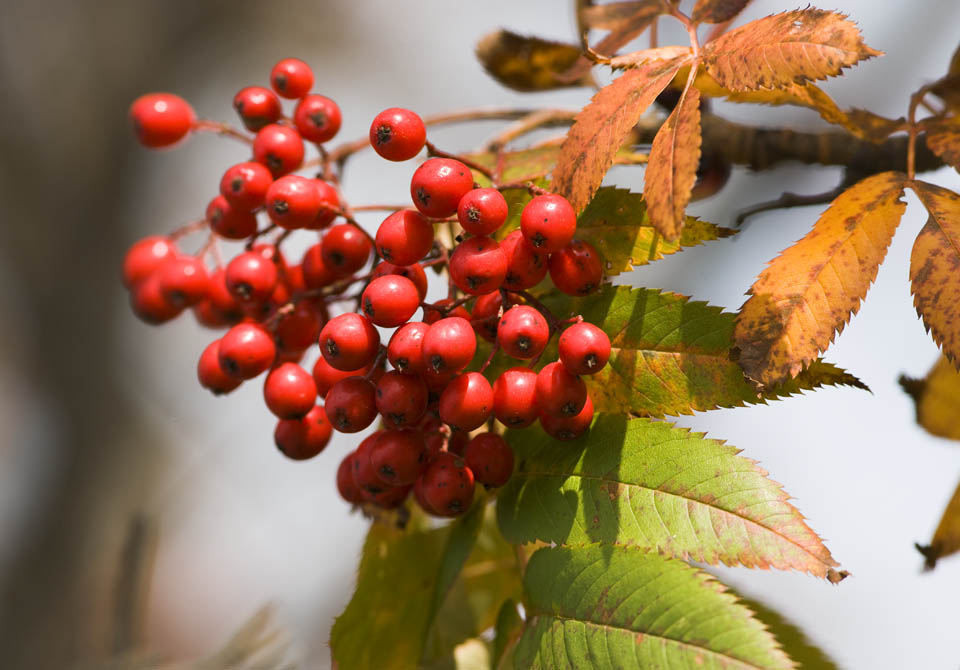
(789, 48)
(529, 63)
(935, 268)
(946, 538)
(943, 138)
(717, 11)
(937, 399)
(601, 127)
(809, 292)
(672, 166)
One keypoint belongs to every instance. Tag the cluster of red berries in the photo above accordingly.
(428, 402)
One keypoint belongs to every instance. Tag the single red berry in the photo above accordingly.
(397, 134)
(221, 298)
(149, 302)
(318, 118)
(364, 474)
(515, 397)
(245, 185)
(209, 316)
(482, 211)
(293, 201)
(438, 185)
(437, 381)
(560, 392)
(184, 280)
(490, 459)
(325, 375)
(584, 349)
(278, 147)
(298, 329)
(447, 486)
(458, 441)
(250, 277)
(289, 391)
(228, 221)
(257, 107)
(351, 404)
(399, 456)
(548, 222)
(440, 310)
(316, 273)
(418, 494)
(345, 249)
(413, 272)
(404, 237)
(300, 439)
(523, 332)
(293, 278)
(526, 266)
(348, 488)
(405, 350)
(485, 316)
(161, 119)
(211, 376)
(401, 398)
(390, 301)
(467, 401)
(246, 350)
(567, 428)
(576, 269)
(449, 345)
(478, 265)
(349, 341)
(329, 205)
(145, 256)
(291, 78)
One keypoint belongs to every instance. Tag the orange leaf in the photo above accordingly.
(601, 127)
(717, 11)
(672, 166)
(809, 292)
(946, 539)
(783, 49)
(935, 268)
(644, 56)
(944, 140)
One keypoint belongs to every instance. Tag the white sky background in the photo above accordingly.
(242, 526)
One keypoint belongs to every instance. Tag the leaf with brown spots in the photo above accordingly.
(529, 63)
(937, 399)
(935, 268)
(718, 11)
(672, 166)
(808, 293)
(601, 127)
(943, 138)
(946, 538)
(783, 49)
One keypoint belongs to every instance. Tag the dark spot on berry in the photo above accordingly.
(332, 348)
(337, 258)
(538, 240)
(437, 363)
(423, 196)
(568, 409)
(397, 418)
(402, 364)
(387, 471)
(523, 343)
(231, 366)
(273, 163)
(385, 253)
(319, 119)
(244, 290)
(280, 82)
(565, 434)
(473, 214)
(455, 506)
(236, 185)
(368, 307)
(474, 281)
(384, 134)
(590, 361)
(281, 206)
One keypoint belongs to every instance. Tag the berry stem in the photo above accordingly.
(528, 185)
(432, 150)
(260, 233)
(188, 228)
(493, 350)
(552, 320)
(221, 128)
(540, 118)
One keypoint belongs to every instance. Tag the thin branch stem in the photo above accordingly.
(221, 128)
(432, 150)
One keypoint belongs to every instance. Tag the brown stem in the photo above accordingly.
(541, 118)
(432, 150)
(224, 129)
(260, 233)
(186, 229)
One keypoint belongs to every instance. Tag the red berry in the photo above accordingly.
(526, 266)
(437, 381)
(250, 277)
(401, 398)
(257, 107)
(490, 459)
(228, 221)
(419, 495)
(289, 391)
(278, 147)
(325, 376)
(559, 392)
(482, 211)
(299, 329)
(397, 134)
(149, 302)
(390, 301)
(459, 439)
(221, 298)
(364, 474)
(467, 401)
(399, 456)
(478, 265)
(523, 332)
(405, 350)
(291, 78)
(316, 273)
(317, 117)
(568, 427)
(485, 316)
(449, 345)
(144, 257)
(300, 439)
(439, 311)
(345, 249)
(245, 185)
(576, 269)
(161, 119)
(329, 205)
(584, 349)
(447, 486)
(184, 280)
(246, 350)
(515, 397)
(211, 376)
(413, 272)
(438, 185)
(293, 201)
(548, 222)
(404, 237)
(351, 404)
(349, 341)
(348, 488)
(209, 316)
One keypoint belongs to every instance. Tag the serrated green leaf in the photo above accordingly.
(647, 484)
(617, 224)
(607, 607)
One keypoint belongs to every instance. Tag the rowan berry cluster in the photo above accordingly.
(432, 399)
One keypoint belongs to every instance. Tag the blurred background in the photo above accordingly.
(110, 450)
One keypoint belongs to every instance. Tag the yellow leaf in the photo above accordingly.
(809, 292)
(672, 166)
(529, 63)
(789, 48)
(946, 539)
(935, 268)
(937, 399)
(943, 138)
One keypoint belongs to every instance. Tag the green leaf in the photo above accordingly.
(647, 484)
(506, 631)
(617, 224)
(799, 648)
(606, 607)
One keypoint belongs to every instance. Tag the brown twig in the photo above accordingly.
(223, 129)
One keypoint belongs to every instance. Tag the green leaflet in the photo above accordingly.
(647, 484)
(600, 607)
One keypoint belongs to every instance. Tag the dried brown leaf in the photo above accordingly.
(809, 292)
(944, 140)
(672, 166)
(529, 63)
(618, 15)
(717, 11)
(946, 539)
(601, 127)
(783, 49)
